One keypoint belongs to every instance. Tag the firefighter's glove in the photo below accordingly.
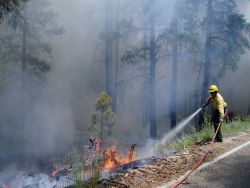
(204, 106)
(221, 120)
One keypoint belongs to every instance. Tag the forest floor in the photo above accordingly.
(169, 168)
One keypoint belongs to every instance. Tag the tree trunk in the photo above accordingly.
(174, 73)
(24, 71)
(24, 92)
(145, 95)
(108, 50)
(101, 131)
(196, 102)
(152, 52)
(117, 57)
(207, 66)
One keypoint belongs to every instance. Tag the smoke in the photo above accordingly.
(63, 104)
(178, 128)
(243, 8)
(151, 146)
(49, 125)
(21, 179)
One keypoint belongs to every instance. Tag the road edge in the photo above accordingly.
(220, 157)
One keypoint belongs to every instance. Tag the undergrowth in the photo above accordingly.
(91, 183)
(206, 134)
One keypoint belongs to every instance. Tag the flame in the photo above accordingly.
(53, 173)
(96, 143)
(113, 159)
(56, 171)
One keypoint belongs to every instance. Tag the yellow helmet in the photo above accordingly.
(213, 88)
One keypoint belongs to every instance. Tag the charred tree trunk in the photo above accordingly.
(152, 54)
(207, 65)
(108, 50)
(174, 73)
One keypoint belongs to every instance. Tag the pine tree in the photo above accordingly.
(104, 115)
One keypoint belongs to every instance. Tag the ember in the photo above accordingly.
(112, 159)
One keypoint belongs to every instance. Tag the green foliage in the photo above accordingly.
(93, 168)
(104, 118)
(236, 40)
(134, 55)
(234, 127)
(91, 183)
(103, 102)
(186, 140)
(37, 65)
(205, 135)
(39, 27)
(109, 115)
(228, 36)
(236, 22)
(207, 120)
(92, 128)
(94, 119)
(191, 42)
(9, 6)
(93, 125)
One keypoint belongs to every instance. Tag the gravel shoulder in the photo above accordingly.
(233, 171)
(170, 168)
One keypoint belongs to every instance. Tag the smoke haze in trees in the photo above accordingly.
(64, 102)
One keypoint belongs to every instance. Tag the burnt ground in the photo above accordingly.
(170, 167)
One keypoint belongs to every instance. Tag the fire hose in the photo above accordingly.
(202, 159)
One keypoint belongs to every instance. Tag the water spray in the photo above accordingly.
(168, 137)
(43, 180)
(152, 146)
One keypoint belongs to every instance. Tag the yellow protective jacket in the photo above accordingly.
(218, 103)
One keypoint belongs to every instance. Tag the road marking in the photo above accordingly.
(167, 185)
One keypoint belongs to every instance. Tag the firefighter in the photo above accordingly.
(220, 107)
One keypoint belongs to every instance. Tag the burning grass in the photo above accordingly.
(112, 159)
(177, 164)
(164, 168)
(88, 168)
(95, 162)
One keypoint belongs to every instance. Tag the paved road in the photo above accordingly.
(231, 172)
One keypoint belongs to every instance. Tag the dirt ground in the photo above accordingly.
(171, 167)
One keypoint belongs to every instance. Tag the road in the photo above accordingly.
(230, 172)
